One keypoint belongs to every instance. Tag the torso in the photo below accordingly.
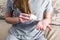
(37, 8)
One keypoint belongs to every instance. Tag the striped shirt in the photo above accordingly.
(28, 31)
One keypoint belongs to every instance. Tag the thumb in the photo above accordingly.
(49, 27)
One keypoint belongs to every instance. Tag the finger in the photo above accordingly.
(22, 20)
(38, 28)
(49, 27)
(24, 14)
(25, 18)
(44, 27)
(41, 27)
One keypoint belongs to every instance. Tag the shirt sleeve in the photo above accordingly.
(9, 6)
(49, 7)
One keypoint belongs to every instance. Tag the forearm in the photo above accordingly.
(47, 17)
(12, 20)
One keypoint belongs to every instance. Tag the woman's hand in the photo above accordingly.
(42, 25)
(24, 17)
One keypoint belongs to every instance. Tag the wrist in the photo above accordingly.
(18, 19)
(47, 20)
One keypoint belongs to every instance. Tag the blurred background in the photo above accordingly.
(54, 34)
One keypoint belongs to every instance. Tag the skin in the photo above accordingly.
(12, 20)
(41, 25)
(23, 17)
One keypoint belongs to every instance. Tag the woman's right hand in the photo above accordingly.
(23, 17)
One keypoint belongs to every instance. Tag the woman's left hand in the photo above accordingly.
(42, 25)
